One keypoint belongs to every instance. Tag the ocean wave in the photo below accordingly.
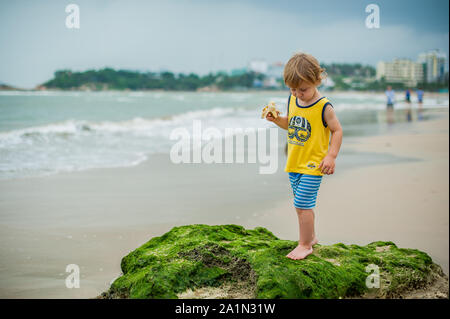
(137, 125)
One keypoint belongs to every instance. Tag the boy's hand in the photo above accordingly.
(327, 165)
(270, 117)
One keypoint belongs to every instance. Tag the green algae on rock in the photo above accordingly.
(229, 261)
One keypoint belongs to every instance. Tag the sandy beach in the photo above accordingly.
(392, 186)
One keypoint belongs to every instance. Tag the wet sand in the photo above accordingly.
(95, 217)
(389, 187)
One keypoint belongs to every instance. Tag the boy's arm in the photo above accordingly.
(281, 121)
(328, 163)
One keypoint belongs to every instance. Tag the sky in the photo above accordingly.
(203, 36)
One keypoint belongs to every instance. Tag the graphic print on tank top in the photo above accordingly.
(299, 130)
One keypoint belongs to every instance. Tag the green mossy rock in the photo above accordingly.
(252, 264)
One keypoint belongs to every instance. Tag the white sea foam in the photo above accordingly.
(137, 124)
(78, 144)
(74, 145)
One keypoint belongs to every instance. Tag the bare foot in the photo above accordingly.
(314, 241)
(300, 252)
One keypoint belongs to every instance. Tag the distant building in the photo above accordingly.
(401, 71)
(270, 83)
(257, 83)
(328, 83)
(258, 66)
(274, 75)
(275, 70)
(434, 65)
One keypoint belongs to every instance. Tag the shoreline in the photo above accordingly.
(350, 131)
(276, 91)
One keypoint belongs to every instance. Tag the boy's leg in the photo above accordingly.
(314, 239)
(306, 229)
(305, 189)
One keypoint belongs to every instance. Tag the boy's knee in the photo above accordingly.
(301, 210)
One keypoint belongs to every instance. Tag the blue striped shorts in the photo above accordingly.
(305, 188)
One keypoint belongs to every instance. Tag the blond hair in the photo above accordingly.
(303, 67)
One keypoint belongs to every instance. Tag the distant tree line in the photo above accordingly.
(124, 79)
(344, 76)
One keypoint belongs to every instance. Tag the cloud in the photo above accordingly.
(186, 36)
(352, 41)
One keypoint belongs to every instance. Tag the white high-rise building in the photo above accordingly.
(434, 65)
(274, 75)
(275, 70)
(258, 66)
(400, 71)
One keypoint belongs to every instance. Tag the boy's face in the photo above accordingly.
(304, 92)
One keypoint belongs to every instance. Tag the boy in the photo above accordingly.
(310, 120)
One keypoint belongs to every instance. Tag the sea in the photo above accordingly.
(46, 132)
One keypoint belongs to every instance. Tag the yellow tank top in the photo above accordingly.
(308, 136)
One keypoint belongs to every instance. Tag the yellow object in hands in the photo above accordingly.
(271, 108)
